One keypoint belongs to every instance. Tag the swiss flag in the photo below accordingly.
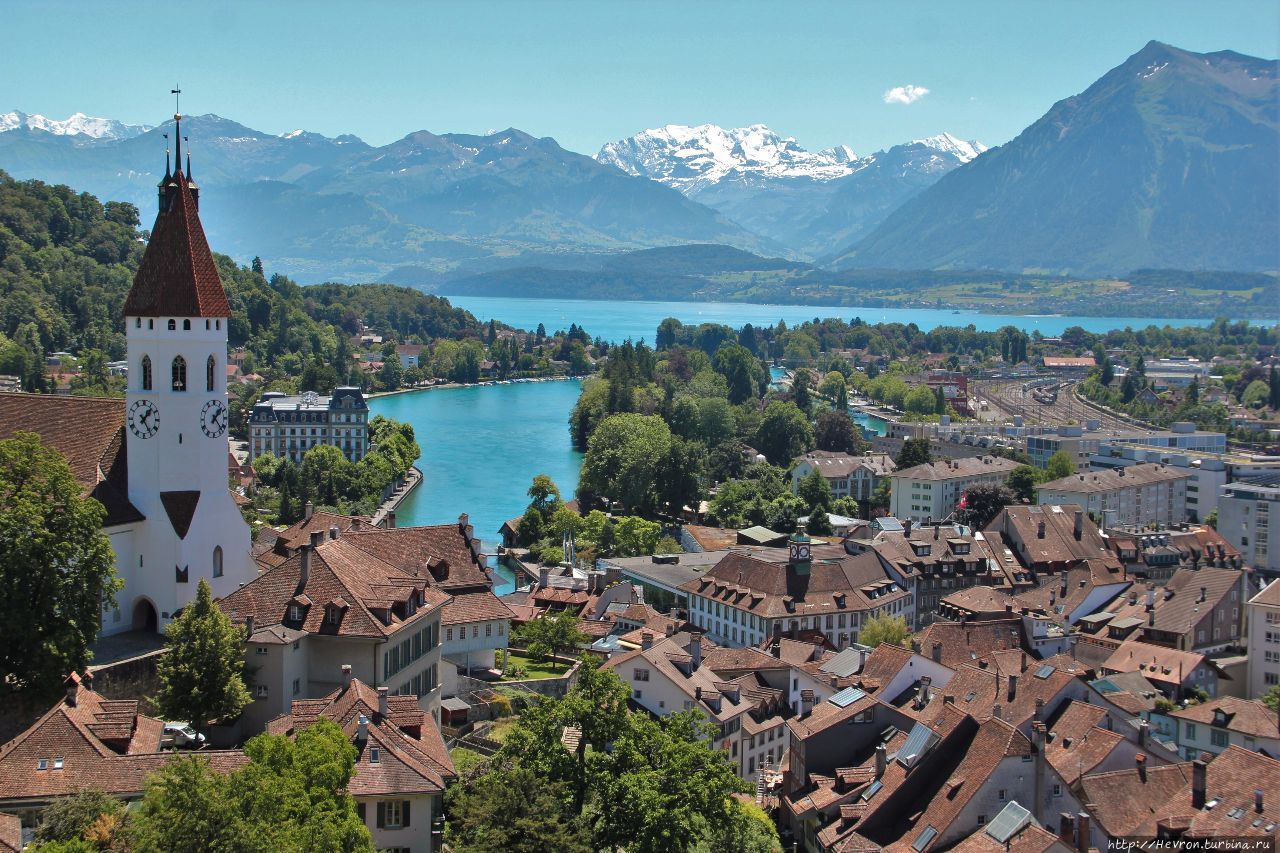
(964, 500)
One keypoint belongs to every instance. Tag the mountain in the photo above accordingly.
(1171, 159)
(808, 202)
(323, 208)
(78, 124)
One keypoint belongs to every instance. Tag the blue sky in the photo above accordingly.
(590, 72)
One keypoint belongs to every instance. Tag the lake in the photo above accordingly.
(481, 448)
(617, 321)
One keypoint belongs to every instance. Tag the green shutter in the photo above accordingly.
(404, 820)
(382, 815)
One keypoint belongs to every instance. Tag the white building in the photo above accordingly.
(289, 426)
(931, 492)
(158, 459)
(849, 476)
(1264, 640)
(1244, 519)
(1133, 497)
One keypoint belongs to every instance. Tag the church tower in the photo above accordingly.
(176, 418)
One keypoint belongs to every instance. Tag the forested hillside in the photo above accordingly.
(67, 261)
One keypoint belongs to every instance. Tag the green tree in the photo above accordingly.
(513, 809)
(741, 369)
(635, 537)
(800, 389)
(915, 451)
(982, 503)
(1272, 698)
(624, 457)
(846, 506)
(884, 629)
(1059, 465)
(56, 568)
(557, 632)
(1256, 394)
(815, 491)
(1023, 481)
(1273, 389)
(202, 672)
(68, 818)
(919, 401)
(784, 433)
(837, 432)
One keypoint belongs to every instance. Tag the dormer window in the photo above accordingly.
(295, 613)
(922, 550)
(332, 615)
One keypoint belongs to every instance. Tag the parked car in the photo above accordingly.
(181, 736)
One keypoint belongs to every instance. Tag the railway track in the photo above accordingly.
(1040, 402)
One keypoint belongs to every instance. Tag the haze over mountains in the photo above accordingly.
(1172, 159)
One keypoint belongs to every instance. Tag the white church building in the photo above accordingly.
(158, 460)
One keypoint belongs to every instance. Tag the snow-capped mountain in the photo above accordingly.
(693, 158)
(78, 124)
(807, 201)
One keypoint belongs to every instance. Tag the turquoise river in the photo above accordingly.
(482, 445)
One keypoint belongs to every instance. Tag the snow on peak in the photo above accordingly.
(962, 150)
(293, 134)
(78, 124)
(693, 158)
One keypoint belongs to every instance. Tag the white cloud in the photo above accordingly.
(907, 94)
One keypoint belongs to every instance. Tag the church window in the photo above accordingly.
(208, 373)
(206, 325)
(146, 373)
(137, 322)
(173, 325)
(186, 325)
(151, 324)
(217, 561)
(179, 373)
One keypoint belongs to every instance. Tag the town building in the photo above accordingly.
(931, 492)
(402, 765)
(87, 741)
(288, 426)
(1245, 510)
(1156, 554)
(410, 355)
(1082, 442)
(1211, 727)
(1175, 673)
(849, 476)
(332, 605)
(1264, 640)
(158, 459)
(1198, 610)
(1176, 372)
(1134, 497)
(744, 599)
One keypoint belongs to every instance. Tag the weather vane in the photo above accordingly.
(177, 94)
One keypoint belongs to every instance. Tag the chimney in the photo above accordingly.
(997, 712)
(695, 648)
(806, 703)
(1066, 829)
(1144, 732)
(906, 528)
(646, 640)
(1040, 530)
(307, 511)
(248, 626)
(937, 652)
(1079, 530)
(1151, 618)
(922, 692)
(390, 519)
(72, 683)
(936, 528)
(334, 533)
(1082, 832)
(1141, 760)
(948, 699)
(1151, 596)
(697, 694)
(1257, 800)
(346, 676)
(882, 760)
(775, 648)
(317, 538)
(362, 733)
(1204, 593)
(1199, 772)
(544, 575)
(304, 567)
(1039, 712)
(382, 702)
(1013, 688)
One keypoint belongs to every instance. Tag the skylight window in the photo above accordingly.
(924, 839)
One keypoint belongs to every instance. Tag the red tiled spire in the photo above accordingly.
(177, 277)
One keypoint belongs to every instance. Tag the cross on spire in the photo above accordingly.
(177, 93)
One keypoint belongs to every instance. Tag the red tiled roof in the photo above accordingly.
(10, 833)
(178, 276)
(1248, 716)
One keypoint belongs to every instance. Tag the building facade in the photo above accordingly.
(1244, 519)
(849, 476)
(1149, 493)
(1264, 640)
(932, 492)
(288, 426)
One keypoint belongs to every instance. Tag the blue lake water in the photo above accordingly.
(481, 447)
(617, 321)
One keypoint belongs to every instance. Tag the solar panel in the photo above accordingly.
(844, 664)
(872, 790)
(923, 840)
(918, 743)
(1011, 819)
(1045, 671)
(847, 697)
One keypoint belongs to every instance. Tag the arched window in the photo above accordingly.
(217, 561)
(186, 325)
(173, 325)
(179, 374)
(208, 373)
(146, 373)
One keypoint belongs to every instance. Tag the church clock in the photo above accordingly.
(213, 418)
(144, 419)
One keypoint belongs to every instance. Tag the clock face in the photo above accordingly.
(144, 419)
(213, 418)
(802, 552)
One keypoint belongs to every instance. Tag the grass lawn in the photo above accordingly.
(532, 668)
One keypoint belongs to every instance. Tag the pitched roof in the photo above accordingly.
(177, 276)
(1110, 479)
(10, 833)
(1156, 663)
(953, 469)
(833, 464)
(1177, 607)
(1270, 594)
(411, 547)
(1019, 528)
(89, 432)
(962, 643)
(412, 757)
(1077, 743)
(1247, 716)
